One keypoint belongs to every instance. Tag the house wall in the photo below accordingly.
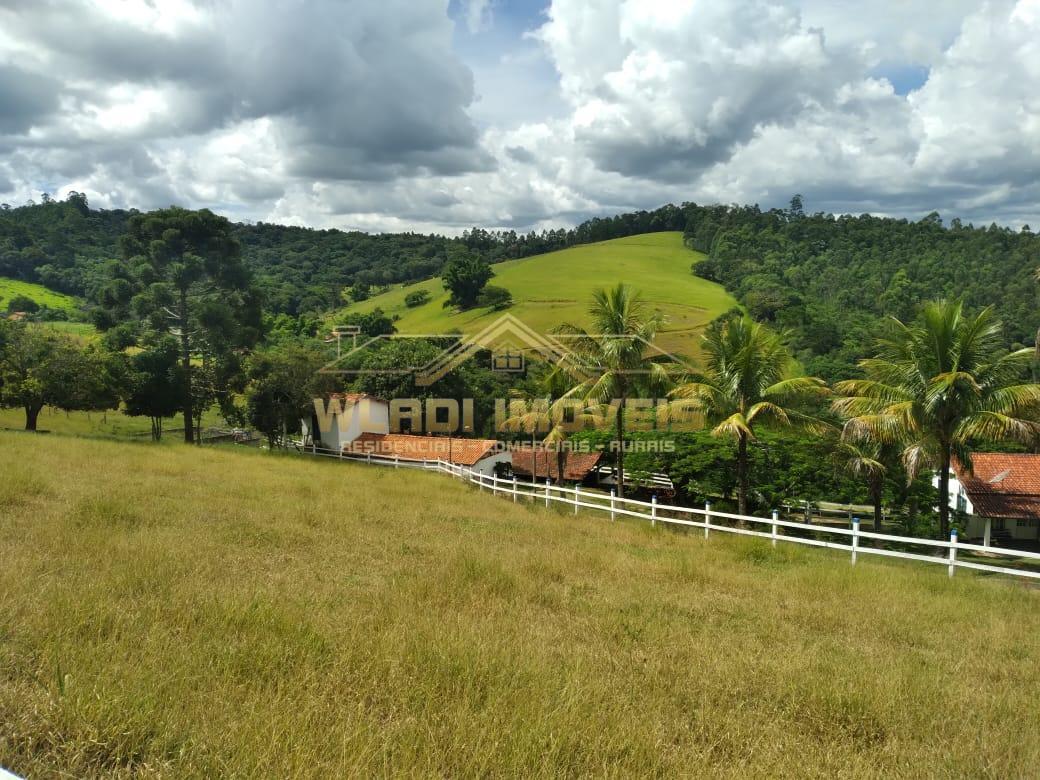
(487, 465)
(366, 416)
(958, 496)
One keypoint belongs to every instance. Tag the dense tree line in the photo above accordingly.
(64, 244)
(829, 279)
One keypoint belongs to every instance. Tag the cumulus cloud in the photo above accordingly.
(361, 113)
(356, 90)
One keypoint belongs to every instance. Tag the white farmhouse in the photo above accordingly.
(1001, 496)
(358, 424)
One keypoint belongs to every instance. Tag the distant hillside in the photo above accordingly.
(557, 287)
(64, 244)
(828, 279)
(11, 288)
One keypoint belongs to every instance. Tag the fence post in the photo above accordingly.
(341, 453)
(397, 461)
(953, 550)
(776, 516)
(369, 459)
(514, 488)
(613, 496)
(576, 499)
(546, 492)
(855, 538)
(707, 518)
(653, 510)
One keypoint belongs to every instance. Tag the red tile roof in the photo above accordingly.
(1005, 486)
(354, 397)
(462, 452)
(575, 468)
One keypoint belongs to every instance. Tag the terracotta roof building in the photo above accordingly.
(546, 465)
(1004, 489)
(461, 452)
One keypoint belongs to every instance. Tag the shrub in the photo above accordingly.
(495, 298)
(416, 298)
(23, 303)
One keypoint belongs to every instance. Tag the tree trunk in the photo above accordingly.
(875, 494)
(742, 475)
(561, 461)
(944, 495)
(186, 400)
(32, 414)
(619, 458)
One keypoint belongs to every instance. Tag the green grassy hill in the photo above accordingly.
(9, 288)
(200, 612)
(556, 287)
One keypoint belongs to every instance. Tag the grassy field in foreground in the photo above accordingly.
(194, 613)
(557, 287)
(9, 288)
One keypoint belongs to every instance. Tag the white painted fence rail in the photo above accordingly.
(849, 539)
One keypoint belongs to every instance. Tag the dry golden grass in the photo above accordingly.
(183, 612)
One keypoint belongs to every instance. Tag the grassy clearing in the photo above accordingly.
(9, 288)
(185, 612)
(111, 425)
(557, 287)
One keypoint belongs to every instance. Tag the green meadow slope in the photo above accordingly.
(9, 288)
(175, 611)
(553, 288)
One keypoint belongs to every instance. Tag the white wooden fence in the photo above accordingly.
(848, 539)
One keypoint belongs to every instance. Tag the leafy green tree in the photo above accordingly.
(23, 303)
(464, 277)
(360, 291)
(615, 357)
(40, 367)
(182, 274)
(281, 389)
(495, 298)
(153, 384)
(746, 383)
(939, 387)
(372, 323)
(416, 298)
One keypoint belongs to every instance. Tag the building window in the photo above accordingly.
(1031, 522)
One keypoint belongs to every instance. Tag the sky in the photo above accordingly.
(440, 115)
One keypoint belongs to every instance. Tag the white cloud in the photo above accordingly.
(478, 14)
(362, 114)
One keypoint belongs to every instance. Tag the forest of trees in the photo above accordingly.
(829, 279)
(64, 244)
(825, 279)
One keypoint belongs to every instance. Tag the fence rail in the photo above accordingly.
(944, 553)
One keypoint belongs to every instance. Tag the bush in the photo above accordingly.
(23, 303)
(495, 298)
(416, 298)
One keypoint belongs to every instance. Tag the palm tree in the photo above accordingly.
(615, 357)
(938, 388)
(548, 416)
(745, 383)
(864, 460)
